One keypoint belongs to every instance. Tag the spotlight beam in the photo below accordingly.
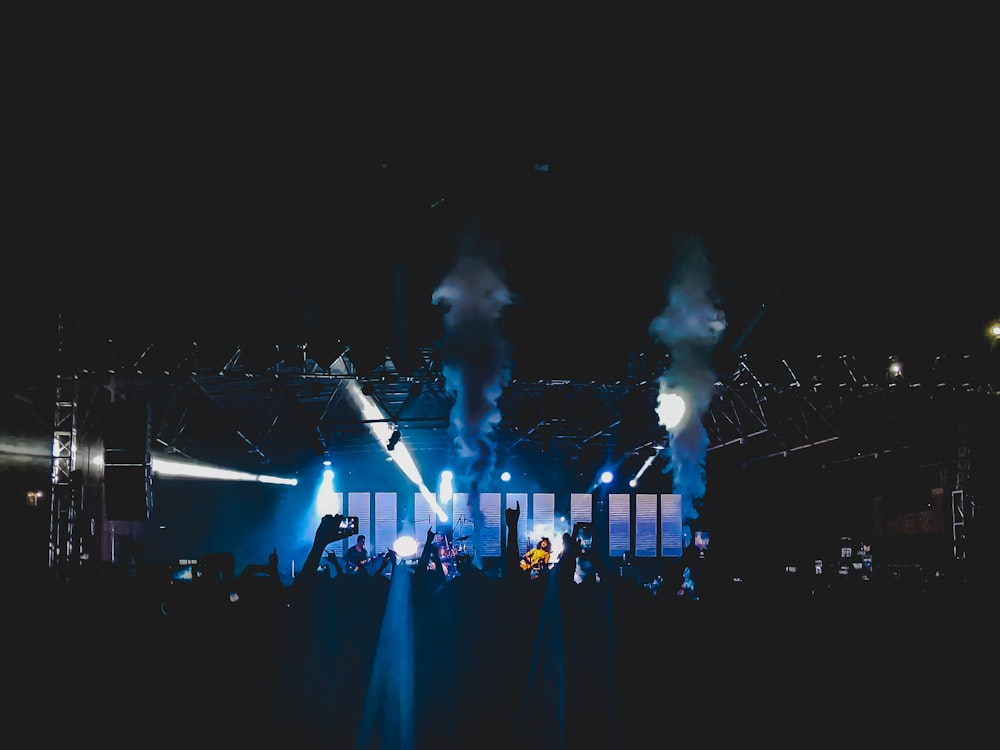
(173, 468)
(374, 414)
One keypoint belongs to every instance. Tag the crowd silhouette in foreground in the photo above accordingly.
(407, 656)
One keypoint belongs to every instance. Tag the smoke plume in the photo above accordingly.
(475, 358)
(690, 326)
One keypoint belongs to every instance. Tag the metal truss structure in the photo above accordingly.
(281, 408)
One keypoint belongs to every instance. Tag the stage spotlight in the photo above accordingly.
(505, 476)
(894, 370)
(446, 488)
(327, 499)
(670, 407)
(604, 477)
(393, 439)
(406, 546)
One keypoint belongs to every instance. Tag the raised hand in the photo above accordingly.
(328, 530)
(513, 514)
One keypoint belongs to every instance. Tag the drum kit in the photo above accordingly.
(452, 554)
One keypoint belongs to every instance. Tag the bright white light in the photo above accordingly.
(505, 476)
(172, 468)
(557, 548)
(642, 470)
(607, 476)
(382, 430)
(446, 488)
(328, 500)
(670, 408)
(405, 546)
(267, 479)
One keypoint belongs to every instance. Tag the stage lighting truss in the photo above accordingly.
(393, 438)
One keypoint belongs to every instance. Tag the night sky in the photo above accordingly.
(838, 180)
(857, 256)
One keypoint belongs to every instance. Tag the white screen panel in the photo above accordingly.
(461, 515)
(543, 514)
(424, 516)
(645, 525)
(489, 535)
(619, 524)
(386, 519)
(581, 507)
(360, 504)
(671, 540)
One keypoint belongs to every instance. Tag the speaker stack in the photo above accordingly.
(128, 479)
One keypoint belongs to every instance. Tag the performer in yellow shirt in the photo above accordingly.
(537, 560)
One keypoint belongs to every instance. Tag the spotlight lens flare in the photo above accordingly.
(670, 409)
(405, 546)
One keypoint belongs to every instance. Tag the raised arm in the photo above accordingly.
(428, 550)
(512, 556)
(327, 532)
(388, 557)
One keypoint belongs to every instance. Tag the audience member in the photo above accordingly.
(555, 660)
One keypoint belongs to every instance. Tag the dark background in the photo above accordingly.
(837, 173)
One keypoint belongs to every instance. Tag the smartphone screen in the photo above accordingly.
(349, 524)
(583, 532)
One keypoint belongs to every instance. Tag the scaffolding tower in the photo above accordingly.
(67, 482)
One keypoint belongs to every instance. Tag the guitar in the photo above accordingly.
(353, 568)
(535, 561)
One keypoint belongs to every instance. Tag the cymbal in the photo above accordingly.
(461, 538)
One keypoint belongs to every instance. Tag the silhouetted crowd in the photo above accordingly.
(407, 656)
